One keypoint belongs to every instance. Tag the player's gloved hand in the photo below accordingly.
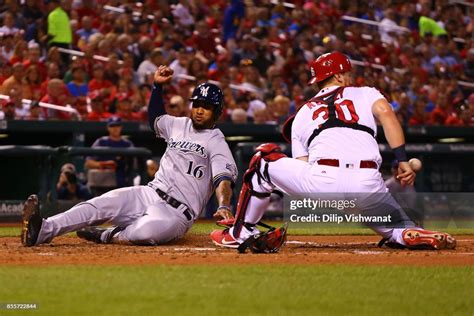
(405, 175)
(163, 75)
(109, 164)
(223, 213)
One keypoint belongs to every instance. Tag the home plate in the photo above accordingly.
(194, 249)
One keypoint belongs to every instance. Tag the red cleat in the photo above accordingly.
(416, 238)
(222, 238)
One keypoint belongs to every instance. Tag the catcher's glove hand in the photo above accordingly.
(266, 242)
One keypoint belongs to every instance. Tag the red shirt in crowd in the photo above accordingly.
(42, 69)
(438, 116)
(54, 114)
(97, 116)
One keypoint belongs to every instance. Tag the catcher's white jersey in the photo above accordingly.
(353, 105)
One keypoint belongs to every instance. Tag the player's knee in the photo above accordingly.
(155, 232)
(267, 152)
(270, 152)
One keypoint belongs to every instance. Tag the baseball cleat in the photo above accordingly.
(222, 238)
(32, 221)
(91, 233)
(416, 238)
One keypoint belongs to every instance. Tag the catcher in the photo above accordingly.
(333, 138)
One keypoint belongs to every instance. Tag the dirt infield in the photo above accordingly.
(197, 249)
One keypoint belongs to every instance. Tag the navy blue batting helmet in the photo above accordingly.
(210, 94)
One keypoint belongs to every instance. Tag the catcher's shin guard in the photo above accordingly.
(268, 152)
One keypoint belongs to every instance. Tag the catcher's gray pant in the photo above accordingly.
(144, 217)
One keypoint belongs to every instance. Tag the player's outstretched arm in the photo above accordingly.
(156, 105)
(394, 135)
(224, 194)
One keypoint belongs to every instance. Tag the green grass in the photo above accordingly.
(239, 290)
(204, 228)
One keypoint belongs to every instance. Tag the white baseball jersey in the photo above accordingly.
(193, 162)
(353, 105)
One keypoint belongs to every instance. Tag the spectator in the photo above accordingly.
(87, 30)
(197, 67)
(7, 47)
(419, 116)
(9, 27)
(21, 47)
(182, 14)
(219, 69)
(247, 50)
(53, 73)
(260, 116)
(118, 164)
(76, 62)
(279, 109)
(68, 187)
(98, 110)
(460, 116)
(32, 84)
(469, 65)
(140, 50)
(110, 73)
(35, 113)
(429, 26)
(251, 80)
(57, 94)
(33, 19)
(125, 111)
(148, 67)
(122, 48)
(9, 111)
(255, 105)
(59, 27)
(180, 65)
(440, 113)
(442, 59)
(15, 80)
(16, 97)
(33, 59)
(141, 100)
(98, 84)
(239, 116)
(176, 106)
(388, 28)
(287, 39)
(203, 40)
(233, 16)
(78, 86)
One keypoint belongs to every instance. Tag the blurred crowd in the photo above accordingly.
(421, 56)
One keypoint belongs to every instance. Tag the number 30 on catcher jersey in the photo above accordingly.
(353, 105)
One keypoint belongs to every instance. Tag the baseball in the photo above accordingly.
(415, 164)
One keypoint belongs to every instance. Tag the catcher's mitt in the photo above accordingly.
(266, 242)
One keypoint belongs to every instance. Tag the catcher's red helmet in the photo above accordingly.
(327, 65)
